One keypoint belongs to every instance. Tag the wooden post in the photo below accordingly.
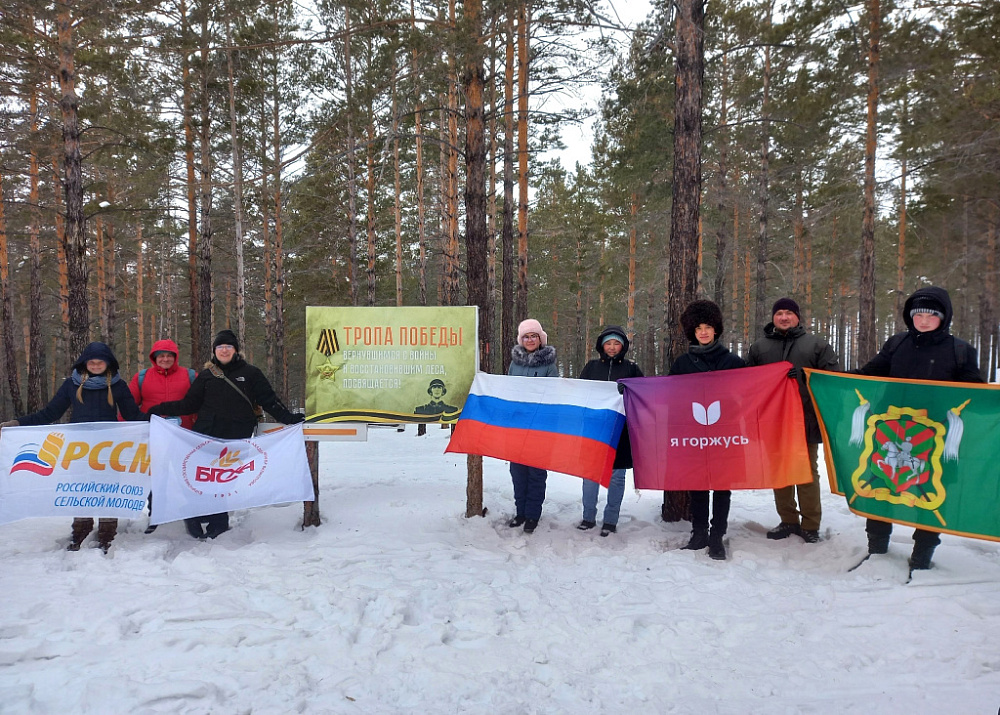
(310, 509)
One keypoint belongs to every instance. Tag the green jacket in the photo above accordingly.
(802, 349)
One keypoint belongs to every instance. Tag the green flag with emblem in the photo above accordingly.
(926, 454)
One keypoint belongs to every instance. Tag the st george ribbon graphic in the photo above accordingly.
(913, 452)
(730, 429)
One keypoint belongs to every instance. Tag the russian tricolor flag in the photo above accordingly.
(568, 426)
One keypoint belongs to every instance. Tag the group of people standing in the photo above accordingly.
(222, 400)
(926, 350)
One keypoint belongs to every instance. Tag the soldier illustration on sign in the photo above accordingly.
(437, 405)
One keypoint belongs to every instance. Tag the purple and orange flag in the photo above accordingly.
(729, 429)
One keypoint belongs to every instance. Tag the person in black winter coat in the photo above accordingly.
(611, 366)
(702, 324)
(225, 395)
(926, 351)
(96, 393)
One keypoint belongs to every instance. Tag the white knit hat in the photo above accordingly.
(531, 326)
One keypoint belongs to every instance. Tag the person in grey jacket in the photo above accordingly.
(531, 357)
(785, 339)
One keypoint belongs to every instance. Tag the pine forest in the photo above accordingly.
(169, 168)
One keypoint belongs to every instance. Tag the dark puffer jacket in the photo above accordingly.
(222, 412)
(706, 359)
(94, 407)
(802, 349)
(612, 370)
(934, 355)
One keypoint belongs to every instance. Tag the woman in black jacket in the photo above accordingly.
(702, 324)
(225, 396)
(96, 393)
(611, 366)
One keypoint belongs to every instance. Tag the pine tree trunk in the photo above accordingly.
(630, 327)
(901, 243)
(7, 317)
(241, 332)
(140, 295)
(112, 268)
(397, 210)
(197, 349)
(278, 329)
(686, 195)
(265, 211)
(507, 315)
(721, 237)
(760, 314)
(370, 234)
(205, 232)
(523, 57)
(476, 238)
(76, 230)
(451, 253)
(867, 343)
(419, 131)
(682, 283)
(352, 188)
(37, 394)
(63, 262)
(491, 205)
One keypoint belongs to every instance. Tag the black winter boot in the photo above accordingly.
(920, 559)
(699, 540)
(878, 543)
(716, 549)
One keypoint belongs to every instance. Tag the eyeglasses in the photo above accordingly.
(224, 347)
(531, 336)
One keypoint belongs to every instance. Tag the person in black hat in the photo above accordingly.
(786, 339)
(925, 351)
(612, 365)
(437, 405)
(226, 395)
(702, 324)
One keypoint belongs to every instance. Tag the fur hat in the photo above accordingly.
(698, 312)
(531, 326)
(786, 304)
(226, 337)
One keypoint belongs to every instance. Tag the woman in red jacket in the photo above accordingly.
(165, 381)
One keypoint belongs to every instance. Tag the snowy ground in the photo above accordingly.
(399, 604)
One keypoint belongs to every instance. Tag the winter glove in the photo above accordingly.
(10, 423)
(621, 388)
(794, 373)
(297, 417)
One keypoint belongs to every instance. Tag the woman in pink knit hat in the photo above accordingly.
(531, 357)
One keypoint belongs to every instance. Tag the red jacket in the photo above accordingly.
(162, 385)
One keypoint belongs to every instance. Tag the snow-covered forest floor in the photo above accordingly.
(398, 604)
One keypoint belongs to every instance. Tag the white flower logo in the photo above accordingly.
(709, 416)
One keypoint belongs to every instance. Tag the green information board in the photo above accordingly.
(389, 365)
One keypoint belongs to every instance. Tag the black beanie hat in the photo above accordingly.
(927, 304)
(786, 304)
(226, 337)
(698, 312)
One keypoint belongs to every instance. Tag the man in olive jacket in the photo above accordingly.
(785, 339)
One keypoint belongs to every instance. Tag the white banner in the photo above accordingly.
(195, 475)
(82, 469)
